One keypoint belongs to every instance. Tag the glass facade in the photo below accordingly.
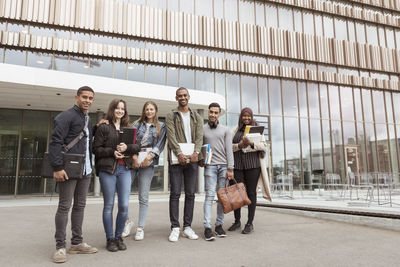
(312, 125)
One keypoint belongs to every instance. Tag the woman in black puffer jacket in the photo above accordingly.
(113, 164)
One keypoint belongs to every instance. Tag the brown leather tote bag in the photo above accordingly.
(233, 197)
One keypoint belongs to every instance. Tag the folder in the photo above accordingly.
(186, 148)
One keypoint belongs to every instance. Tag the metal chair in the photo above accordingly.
(361, 184)
(315, 180)
(284, 185)
(333, 183)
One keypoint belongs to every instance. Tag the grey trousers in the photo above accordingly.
(77, 190)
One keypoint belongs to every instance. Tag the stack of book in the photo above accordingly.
(206, 150)
(254, 134)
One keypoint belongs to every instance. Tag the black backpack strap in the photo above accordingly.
(79, 137)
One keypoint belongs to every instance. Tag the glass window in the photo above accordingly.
(2, 26)
(33, 146)
(187, 6)
(397, 34)
(260, 14)
(138, 2)
(305, 147)
(302, 98)
(249, 92)
(337, 148)
(220, 83)
(275, 96)
(346, 97)
(289, 91)
(318, 25)
(366, 98)
(136, 72)
(372, 34)
(61, 62)
(246, 11)
(389, 110)
(393, 151)
(383, 148)
(233, 120)
(362, 151)
(79, 65)
(33, 30)
(357, 102)
(352, 33)
(156, 74)
(285, 18)
(390, 38)
(205, 81)
(371, 147)
(326, 136)
(233, 93)
(382, 38)
(186, 78)
(172, 76)
(298, 20)
(263, 89)
(316, 144)
(173, 5)
(313, 100)
(40, 60)
(334, 102)
(323, 92)
(278, 155)
(308, 19)
(17, 28)
(231, 10)
(157, 3)
(80, 36)
(101, 67)
(292, 145)
(272, 16)
(360, 30)
(1, 54)
(203, 8)
(120, 70)
(219, 9)
(328, 27)
(340, 29)
(349, 133)
(379, 106)
(17, 57)
(10, 121)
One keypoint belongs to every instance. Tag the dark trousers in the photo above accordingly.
(250, 179)
(177, 173)
(77, 190)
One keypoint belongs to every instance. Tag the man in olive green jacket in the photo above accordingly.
(183, 126)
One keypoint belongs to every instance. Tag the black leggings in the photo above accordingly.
(250, 179)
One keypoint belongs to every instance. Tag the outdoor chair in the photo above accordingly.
(360, 185)
(284, 185)
(333, 183)
(315, 181)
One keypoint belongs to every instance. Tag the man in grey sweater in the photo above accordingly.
(220, 168)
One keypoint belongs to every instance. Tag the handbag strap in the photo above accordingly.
(238, 189)
(79, 137)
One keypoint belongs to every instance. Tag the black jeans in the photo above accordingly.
(77, 190)
(189, 174)
(250, 179)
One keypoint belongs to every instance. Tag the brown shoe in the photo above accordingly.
(60, 256)
(82, 248)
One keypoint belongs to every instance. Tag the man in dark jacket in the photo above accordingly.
(67, 126)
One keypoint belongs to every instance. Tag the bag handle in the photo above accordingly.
(79, 137)
(238, 189)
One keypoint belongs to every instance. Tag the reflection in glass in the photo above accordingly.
(328, 27)
(275, 96)
(305, 147)
(186, 78)
(302, 89)
(17, 28)
(219, 9)
(2, 26)
(381, 36)
(155, 74)
(323, 92)
(1, 54)
(371, 147)
(136, 72)
(233, 93)
(334, 102)
(372, 34)
(232, 120)
(260, 14)
(205, 81)
(383, 148)
(16, 57)
(318, 25)
(231, 10)
(352, 33)
(33, 146)
(40, 60)
(173, 5)
(316, 144)
(172, 76)
(220, 83)
(367, 105)
(379, 106)
(393, 151)
(203, 8)
(313, 100)
(340, 29)
(80, 36)
(101, 67)
(292, 145)
(308, 19)
(79, 64)
(357, 102)
(346, 97)
(249, 92)
(246, 11)
(187, 6)
(120, 70)
(9, 126)
(390, 38)
(362, 149)
(278, 155)
(263, 90)
(389, 110)
(289, 94)
(337, 148)
(285, 18)
(272, 15)
(298, 20)
(360, 30)
(326, 136)
(61, 62)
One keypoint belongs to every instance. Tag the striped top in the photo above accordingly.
(244, 161)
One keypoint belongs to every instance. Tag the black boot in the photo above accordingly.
(120, 244)
(248, 228)
(112, 245)
(234, 226)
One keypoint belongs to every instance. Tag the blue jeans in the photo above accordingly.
(214, 177)
(121, 182)
(144, 176)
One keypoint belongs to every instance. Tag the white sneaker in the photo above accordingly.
(139, 234)
(174, 235)
(127, 228)
(189, 233)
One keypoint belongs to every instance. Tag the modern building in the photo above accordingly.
(323, 76)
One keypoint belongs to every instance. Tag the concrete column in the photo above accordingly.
(200, 181)
(96, 182)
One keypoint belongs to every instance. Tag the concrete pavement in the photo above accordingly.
(279, 239)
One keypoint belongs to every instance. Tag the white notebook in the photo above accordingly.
(187, 149)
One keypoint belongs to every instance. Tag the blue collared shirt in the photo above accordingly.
(88, 167)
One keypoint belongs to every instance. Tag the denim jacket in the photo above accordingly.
(156, 143)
